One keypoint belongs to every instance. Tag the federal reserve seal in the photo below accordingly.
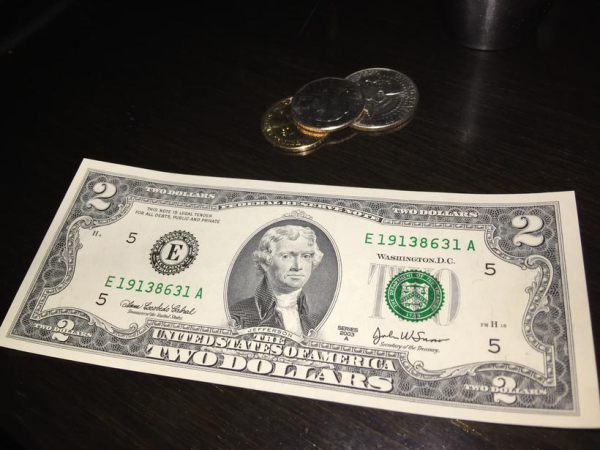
(414, 295)
(174, 252)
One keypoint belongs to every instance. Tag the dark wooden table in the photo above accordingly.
(182, 89)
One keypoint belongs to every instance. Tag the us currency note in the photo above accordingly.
(463, 306)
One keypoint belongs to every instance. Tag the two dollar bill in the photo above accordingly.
(463, 306)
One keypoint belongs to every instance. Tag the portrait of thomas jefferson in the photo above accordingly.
(286, 258)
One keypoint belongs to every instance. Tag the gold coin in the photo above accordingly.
(279, 129)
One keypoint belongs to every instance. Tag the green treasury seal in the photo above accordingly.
(414, 295)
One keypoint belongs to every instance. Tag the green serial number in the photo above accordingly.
(151, 287)
(422, 242)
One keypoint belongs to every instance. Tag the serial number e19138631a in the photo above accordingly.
(152, 287)
(401, 240)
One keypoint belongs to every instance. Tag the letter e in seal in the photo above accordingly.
(174, 252)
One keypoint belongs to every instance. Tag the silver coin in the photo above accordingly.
(391, 98)
(328, 104)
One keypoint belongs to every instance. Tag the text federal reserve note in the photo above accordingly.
(463, 306)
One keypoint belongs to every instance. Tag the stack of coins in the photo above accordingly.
(370, 100)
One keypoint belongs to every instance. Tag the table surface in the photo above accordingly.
(182, 89)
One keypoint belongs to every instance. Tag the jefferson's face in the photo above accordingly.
(291, 265)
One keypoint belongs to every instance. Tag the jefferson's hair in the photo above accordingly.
(264, 254)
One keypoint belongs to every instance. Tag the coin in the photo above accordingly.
(328, 104)
(391, 98)
(385, 131)
(281, 131)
